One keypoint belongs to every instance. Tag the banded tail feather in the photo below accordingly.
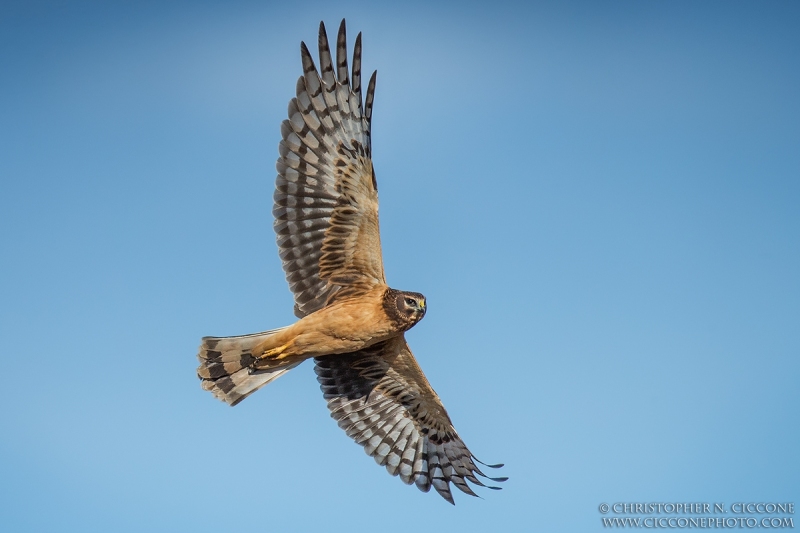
(227, 366)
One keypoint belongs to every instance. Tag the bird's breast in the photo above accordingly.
(343, 327)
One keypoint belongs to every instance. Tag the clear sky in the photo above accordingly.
(600, 201)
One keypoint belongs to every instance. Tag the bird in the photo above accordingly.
(350, 322)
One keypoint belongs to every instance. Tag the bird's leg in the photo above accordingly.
(271, 358)
(277, 353)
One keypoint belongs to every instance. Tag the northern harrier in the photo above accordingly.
(351, 322)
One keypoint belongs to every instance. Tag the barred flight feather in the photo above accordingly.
(381, 399)
(326, 197)
(226, 366)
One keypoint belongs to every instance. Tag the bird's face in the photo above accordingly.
(411, 306)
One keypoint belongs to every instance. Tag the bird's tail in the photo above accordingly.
(227, 366)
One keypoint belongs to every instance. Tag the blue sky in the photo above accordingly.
(600, 202)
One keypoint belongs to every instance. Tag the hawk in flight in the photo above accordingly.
(350, 321)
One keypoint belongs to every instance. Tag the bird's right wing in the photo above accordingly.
(326, 198)
(381, 398)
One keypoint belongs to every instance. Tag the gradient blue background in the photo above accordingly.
(601, 202)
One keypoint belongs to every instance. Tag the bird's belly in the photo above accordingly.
(332, 330)
(341, 330)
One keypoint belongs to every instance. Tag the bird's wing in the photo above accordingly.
(326, 198)
(381, 398)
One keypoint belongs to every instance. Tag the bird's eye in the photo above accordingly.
(410, 302)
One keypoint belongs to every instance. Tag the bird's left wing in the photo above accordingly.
(326, 198)
(381, 398)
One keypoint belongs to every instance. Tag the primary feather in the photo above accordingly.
(326, 200)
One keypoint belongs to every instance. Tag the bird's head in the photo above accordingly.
(405, 308)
